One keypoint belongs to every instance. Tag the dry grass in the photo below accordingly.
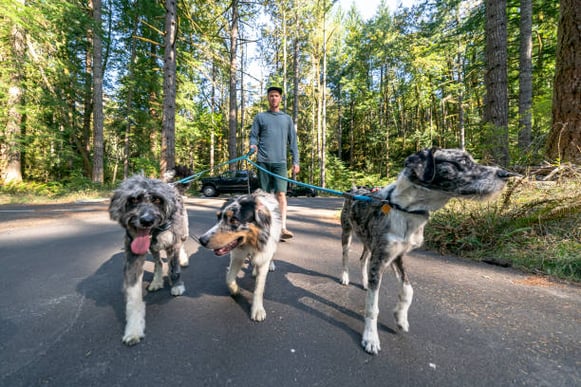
(534, 226)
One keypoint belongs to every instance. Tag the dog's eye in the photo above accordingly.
(156, 200)
(134, 200)
(234, 221)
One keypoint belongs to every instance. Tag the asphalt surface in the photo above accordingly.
(471, 324)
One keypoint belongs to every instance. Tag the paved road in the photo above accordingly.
(61, 314)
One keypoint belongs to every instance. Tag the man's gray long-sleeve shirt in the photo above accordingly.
(272, 132)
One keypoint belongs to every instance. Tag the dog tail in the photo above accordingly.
(178, 173)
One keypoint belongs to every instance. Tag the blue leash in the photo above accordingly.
(327, 190)
(246, 157)
(188, 179)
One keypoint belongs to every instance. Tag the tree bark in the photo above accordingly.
(169, 88)
(525, 97)
(233, 111)
(10, 153)
(98, 175)
(564, 142)
(496, 81)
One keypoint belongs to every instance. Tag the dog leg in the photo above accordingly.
(370, 340)
(257, 311)
(184, 258)
(157, 282)
(364, 261)
(177, 285)
(346, 236)
(405, 296)
(134, 304)
(236, 262)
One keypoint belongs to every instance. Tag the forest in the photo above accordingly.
(96, 90)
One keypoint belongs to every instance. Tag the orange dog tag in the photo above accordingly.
(385, 209)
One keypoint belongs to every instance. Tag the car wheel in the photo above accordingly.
(209, 191)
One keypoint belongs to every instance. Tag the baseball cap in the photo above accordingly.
(274, 88)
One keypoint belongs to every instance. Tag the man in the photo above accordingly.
(271, 133)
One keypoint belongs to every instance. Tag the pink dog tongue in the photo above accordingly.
(140, 244)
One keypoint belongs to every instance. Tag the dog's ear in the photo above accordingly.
(423, 165)
(261, 213)
(117, 205)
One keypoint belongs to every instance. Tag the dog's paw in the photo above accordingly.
(401, 321)
(257, 314)
(178, 289)
(370, 340)
(155, 286)
(371, 347)
(272, 266)
(233, 288)
(133, 338)
(345, 278)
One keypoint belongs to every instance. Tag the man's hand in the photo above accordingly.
(253, 149)
(296, 169)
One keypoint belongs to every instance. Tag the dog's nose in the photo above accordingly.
(204, 240)
(147, 219)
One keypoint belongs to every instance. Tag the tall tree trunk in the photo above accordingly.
(284, 59)
(296, 74)
(233, 111)
(213, 112)
(83, 142)
(324, 100)
(169, 88)
(97, 96)
(564, 141)
(242, 137)
(496, 81)
(525, 97)
(129, 102)
(10, 153)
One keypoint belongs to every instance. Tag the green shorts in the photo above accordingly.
(270, 183)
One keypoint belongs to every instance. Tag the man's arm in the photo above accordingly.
(254, 131)
(294, 148)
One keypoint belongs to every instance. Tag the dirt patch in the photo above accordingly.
(536, 281)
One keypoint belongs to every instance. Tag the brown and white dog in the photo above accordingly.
(392, 223)
(248, 227)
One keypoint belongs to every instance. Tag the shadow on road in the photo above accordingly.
(206, 277)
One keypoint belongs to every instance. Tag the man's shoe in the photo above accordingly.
(286, 234)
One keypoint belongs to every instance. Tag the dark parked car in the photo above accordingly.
(299, 190)
(229, 182)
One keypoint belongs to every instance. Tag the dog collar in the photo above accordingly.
(388, 204)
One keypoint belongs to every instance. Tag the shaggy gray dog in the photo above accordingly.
(392, 224)
(155, 220)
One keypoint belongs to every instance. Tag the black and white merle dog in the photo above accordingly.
(392, 224)
(248, 227)
(155, 220)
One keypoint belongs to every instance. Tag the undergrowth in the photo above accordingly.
(54, 192)
(533, 226)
